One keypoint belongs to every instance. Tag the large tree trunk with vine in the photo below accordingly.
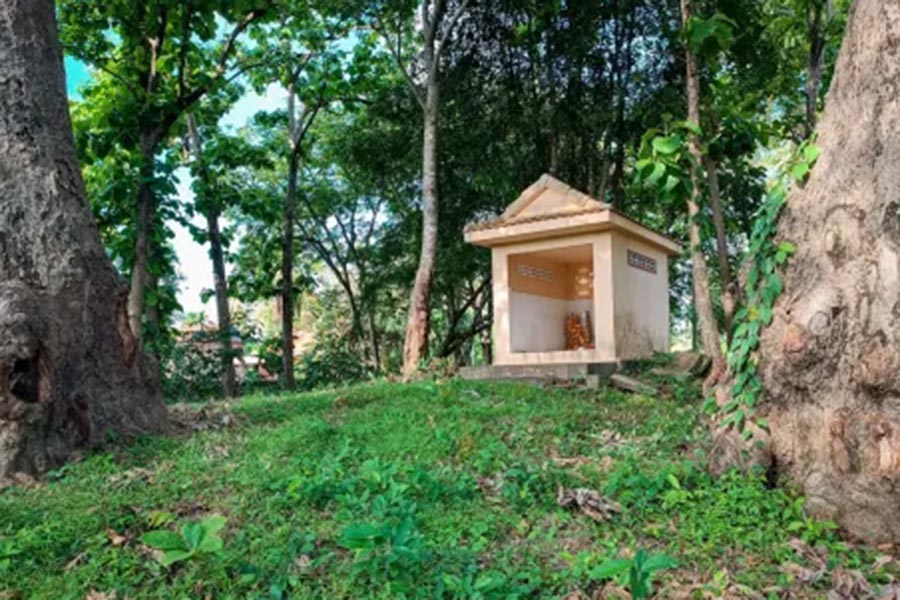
(830, 361)
(709, 329)
(70, 368)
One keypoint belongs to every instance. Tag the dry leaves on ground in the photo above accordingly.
(589, 502)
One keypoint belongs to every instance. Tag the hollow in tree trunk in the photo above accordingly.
(830, 361)
(70, 369)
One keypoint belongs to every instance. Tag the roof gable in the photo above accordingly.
(547, 197)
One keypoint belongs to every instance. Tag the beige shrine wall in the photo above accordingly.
(641, 299)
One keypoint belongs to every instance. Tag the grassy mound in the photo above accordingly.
(432, 490)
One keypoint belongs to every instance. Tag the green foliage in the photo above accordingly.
(709, 36)
(9, 550)
(764, 285)
(638, 572)
(665, 161)
(191, 370)
(196, 540)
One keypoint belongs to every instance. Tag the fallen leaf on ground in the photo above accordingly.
(589, 502)
(115, 538)
(74, 562)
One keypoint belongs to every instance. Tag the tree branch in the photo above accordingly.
(448, 31)
(379, 27)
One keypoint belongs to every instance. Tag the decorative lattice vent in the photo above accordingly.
(534, 272)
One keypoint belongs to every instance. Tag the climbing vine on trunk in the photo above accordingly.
(764, 285)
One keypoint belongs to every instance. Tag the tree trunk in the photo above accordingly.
(418, 323)
(374, 344)
(217, 256)
(143, 227)
(287, 274)
(818, 18)
(715, 201)
(70, 369)
(830, 361)
(709, 330)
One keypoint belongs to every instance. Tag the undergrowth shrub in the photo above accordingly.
(190, 373)
(331, 363)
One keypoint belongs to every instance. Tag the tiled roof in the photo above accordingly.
(501, 222)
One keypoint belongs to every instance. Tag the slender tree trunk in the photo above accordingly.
(418, 324)
(818, 17)
(709, 330)
(287, 274)
(373, 340)
(715, 201)
(70, 368)
(830, 360)
(217, 257)
(143, 229)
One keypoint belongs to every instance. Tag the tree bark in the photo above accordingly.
(70, 368)
(217, 257)
(295, 132)
(287, 275)
(143, 226)
(818, 18)
(418, 324)
(709, 330)
(715, 201)
(830, 361)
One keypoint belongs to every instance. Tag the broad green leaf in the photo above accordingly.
(667, 145)
(174, 556)
(800, 171)
(213, 524)
(193, 534)
(671, 183)
(658, 562)
(811, 153)
(211, 544)
(659, 169)
(163, 540)
(611, 568)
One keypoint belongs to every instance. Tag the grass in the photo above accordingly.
(431, 490)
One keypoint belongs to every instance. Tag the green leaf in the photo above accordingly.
(667, 145)
(659, 562)
(163, 540)
(812, 152)
(659, 169)
(800, 171)
(691, 126)
(671, 183)
(211, 544)
(174, 556)
(193, 534)
(213, 524)
(610, 569)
